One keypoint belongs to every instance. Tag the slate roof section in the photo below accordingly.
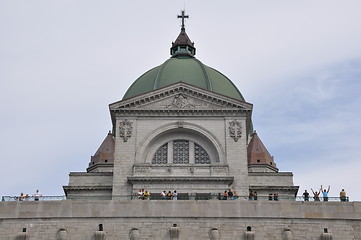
(258, 153)
(105, 153)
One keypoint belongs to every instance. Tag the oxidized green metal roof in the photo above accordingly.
(184, 69)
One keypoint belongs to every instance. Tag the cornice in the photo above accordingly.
(87, 188)
(228, 180)
(290, 174)
(181, 88)
(91, 174)
(177, 112)
(100, 165)
(274, 188)
(262, 165)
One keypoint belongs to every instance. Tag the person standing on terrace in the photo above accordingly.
(255, 196)
(162, 195)
(169, 195)
(316, 195)
(230, 194)
(22, 196)
(146, 195)
(225, 195)
(325, 193)
(275, 196)
(141, 194)
(175, 195)
(343, 195)
(251, 195)
(37, 195)
(235, 195)
(306, 195)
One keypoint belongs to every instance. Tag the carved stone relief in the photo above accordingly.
(125, 129)
(181, 101)
(235, 130)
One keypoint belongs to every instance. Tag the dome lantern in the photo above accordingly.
(183, 47)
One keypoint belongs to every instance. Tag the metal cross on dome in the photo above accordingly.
(183, 16)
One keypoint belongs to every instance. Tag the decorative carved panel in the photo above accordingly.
(125, 129)
(235, 130)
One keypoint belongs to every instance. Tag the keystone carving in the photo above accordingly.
(235, 130)
(125, 129)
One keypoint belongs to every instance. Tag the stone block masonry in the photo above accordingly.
(78, 220)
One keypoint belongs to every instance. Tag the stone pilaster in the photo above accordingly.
(236, 152)
(124, 157)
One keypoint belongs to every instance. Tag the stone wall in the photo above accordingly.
(271, 179)
(78, 220)
(149, 133)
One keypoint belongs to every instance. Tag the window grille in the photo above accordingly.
(200, 155)
(180, 152)
(161, 155)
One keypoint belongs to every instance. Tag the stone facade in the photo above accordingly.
(152, 123)
(75, 220)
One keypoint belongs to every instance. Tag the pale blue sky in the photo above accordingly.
(63, 62)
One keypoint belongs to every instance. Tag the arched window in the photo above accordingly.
(161, 155)
(181, 152)
(200, 155)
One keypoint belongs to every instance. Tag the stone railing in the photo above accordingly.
(181, 196)
(31, 198)
(321, 199)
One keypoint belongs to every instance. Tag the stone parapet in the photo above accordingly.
(184, 220)
(181, 208)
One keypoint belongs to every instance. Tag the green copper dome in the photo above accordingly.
(183, 67)
(188, 70)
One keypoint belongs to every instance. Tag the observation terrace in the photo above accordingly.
(181, 196)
